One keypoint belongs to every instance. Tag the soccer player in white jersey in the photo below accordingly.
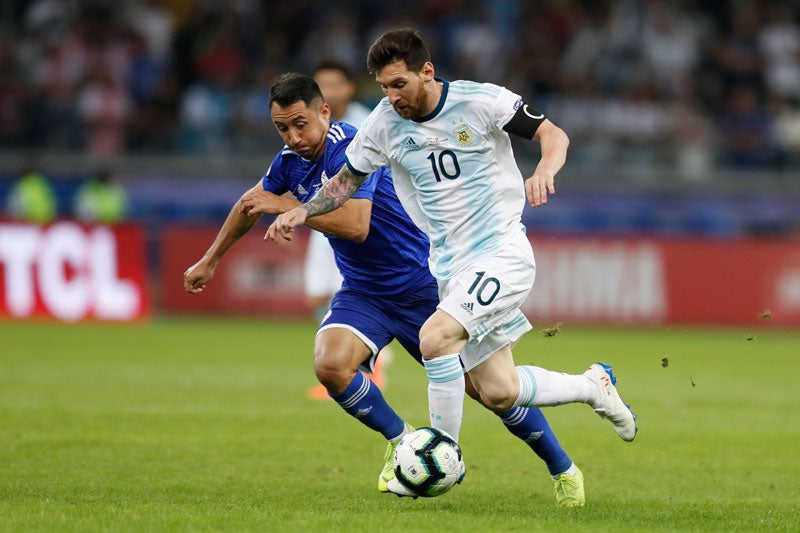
(454, 171)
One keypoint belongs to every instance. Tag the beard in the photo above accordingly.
(417, 108)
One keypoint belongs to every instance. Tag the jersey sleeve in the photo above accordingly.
(505, 107)
(274, 179)
(364, 154)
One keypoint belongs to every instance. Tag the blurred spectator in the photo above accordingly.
(736, 51)
(15, 101)
(671, 46)
(787, 128)
(206, 115)
(105, 108)
(32, 199)
(100, 199)
(339, 88)
(745, 130)
(779, 42)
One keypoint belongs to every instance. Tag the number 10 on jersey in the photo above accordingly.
(445, 165)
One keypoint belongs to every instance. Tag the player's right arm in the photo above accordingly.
(237, 224)
(330, 197)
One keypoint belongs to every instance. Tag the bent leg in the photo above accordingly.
(531, 427)
(338, 352)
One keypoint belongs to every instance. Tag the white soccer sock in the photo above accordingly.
(544, 388)
(569, 471)
(445, 393)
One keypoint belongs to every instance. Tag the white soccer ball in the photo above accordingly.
(428, 462)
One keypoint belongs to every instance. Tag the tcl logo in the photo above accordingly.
(69, 272)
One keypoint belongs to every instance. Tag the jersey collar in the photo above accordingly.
(440, 105)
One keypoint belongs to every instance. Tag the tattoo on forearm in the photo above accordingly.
(335, 193)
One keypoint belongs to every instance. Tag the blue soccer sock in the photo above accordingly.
(364, 401)
(530, 425)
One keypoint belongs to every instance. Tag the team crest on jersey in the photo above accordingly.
(463, 135)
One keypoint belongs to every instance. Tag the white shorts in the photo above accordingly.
(322, 277)
(486, 297)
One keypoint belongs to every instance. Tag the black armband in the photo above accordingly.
(525, 122)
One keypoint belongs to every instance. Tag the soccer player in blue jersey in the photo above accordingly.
(388, 291)
(448, 147)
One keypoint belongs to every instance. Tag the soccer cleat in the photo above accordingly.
(387, 474)
(608, 403)
(569, 489)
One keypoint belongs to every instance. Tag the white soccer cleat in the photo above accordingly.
(608, 404)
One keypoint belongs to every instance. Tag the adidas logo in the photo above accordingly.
(301, 189)
(361, 413)
(533, 437)
(467, 306)
(410, 144)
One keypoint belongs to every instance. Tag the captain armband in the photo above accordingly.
(525, 122)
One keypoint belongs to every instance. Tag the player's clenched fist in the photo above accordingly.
(196, 277)
(284, 225)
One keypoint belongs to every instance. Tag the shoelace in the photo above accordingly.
(563, 484)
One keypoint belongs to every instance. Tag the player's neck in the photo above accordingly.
(435, 89)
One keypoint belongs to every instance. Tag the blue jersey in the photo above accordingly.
(394, 258)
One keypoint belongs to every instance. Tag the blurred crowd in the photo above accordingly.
(695, 84)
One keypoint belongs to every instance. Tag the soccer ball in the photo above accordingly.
(428, 462)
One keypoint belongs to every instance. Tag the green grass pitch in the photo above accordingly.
(203, 425)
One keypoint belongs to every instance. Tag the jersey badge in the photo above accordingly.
(463, 135)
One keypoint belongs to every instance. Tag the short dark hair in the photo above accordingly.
(291, 87)
(333, 64)
(398, 45)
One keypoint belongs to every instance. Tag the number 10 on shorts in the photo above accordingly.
(485, 289)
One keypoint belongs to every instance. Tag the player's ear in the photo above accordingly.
(325, 111)
(428, 72)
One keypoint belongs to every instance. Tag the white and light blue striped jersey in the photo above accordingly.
(393, 259)
(453, 170)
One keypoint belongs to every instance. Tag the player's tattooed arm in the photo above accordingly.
(334, 193)
(331, 196)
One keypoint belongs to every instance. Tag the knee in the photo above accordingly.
(431, 342)
(497, 398)
(439, 337)
(333, 370)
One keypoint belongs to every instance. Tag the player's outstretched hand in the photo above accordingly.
(257, 201)
(283, 227)
(538, 186)
(196, 277)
